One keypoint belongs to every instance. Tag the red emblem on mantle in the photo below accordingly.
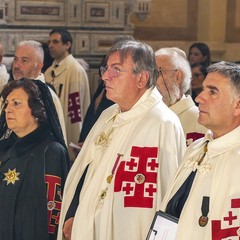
(143, 162)
(219, 233)
(74, 107)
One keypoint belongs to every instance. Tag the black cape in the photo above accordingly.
(33, 170)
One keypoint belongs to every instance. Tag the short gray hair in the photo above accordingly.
(37, 46)
(142, 55)
(229, 70)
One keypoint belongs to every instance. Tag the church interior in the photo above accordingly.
(95, 25)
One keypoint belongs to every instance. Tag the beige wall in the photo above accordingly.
(180, 23)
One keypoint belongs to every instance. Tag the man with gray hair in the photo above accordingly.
(129, 157)
(27, 63)
(205, 192)
(173, 82)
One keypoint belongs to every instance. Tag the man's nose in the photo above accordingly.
(200, 97)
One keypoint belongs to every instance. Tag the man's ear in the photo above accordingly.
(237, 108)
(143, 79)
(179, 77)
(68, 45)
(40, 66)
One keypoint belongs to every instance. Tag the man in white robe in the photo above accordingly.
(212, 207)
(70, 81)
(173, 83)
(129, 157)
(27, 63)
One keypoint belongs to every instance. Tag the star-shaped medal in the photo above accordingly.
(11, 176)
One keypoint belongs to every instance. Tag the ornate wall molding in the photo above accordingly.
(232, 30)
(94, 25)
(162, 33)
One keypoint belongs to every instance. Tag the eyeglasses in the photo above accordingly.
(112, 72)
(16, 103)
(160, 71)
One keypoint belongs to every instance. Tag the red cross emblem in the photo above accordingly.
(74, 107)
(53, 184)
(137, 177)
(217, 232)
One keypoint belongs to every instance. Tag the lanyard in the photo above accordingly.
(109, 178)
(203, 220)
(205, 149)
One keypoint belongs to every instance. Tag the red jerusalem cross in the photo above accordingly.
(74, 107)
(230, 218)
(138, 177)
(53, 187)
(217, 232)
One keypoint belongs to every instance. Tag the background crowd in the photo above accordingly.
(160, 133)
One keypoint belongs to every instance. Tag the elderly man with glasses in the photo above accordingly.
(173, 82)
(123, 170)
